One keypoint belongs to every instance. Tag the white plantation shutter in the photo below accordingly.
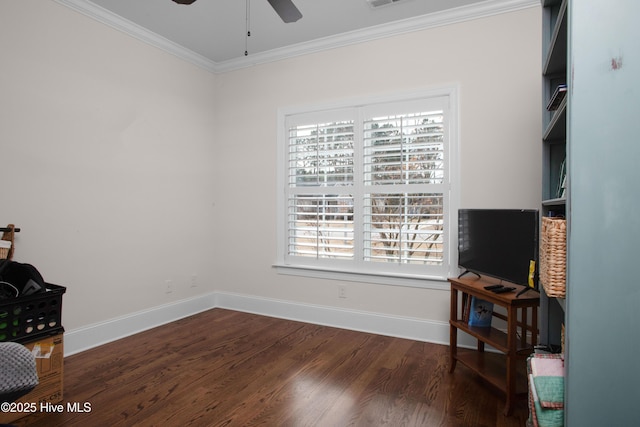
(321, 154)
(367, 188)
(403, 156)
(320, 203)
(404, 228)
(321, 226)
(405, 149)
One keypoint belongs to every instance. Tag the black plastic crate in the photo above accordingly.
(26, 318)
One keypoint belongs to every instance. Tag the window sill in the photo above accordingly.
(407, 280)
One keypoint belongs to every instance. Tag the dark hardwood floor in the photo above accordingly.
(227, 368)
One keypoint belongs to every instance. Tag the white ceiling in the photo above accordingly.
(212, 33)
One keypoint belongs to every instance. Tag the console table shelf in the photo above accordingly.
(498, 339)
(492, 368)
(504, 370)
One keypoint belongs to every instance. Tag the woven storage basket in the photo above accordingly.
(553, 256)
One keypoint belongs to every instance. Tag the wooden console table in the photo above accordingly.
(505, 370)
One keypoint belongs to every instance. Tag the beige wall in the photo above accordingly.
(494, 61)
(126, 167)
(107, 153)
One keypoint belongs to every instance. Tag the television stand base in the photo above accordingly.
(525, 289)
(467, 272)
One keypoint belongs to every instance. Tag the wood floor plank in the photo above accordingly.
(226, 368)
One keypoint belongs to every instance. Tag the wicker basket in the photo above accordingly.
(553, 256)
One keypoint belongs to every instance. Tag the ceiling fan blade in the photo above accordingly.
(184, 1)
(286, 9)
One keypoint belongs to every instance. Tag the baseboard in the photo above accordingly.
(381, 324)
(82, 339)
(78, 340)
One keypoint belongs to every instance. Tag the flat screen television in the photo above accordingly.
(500, 243)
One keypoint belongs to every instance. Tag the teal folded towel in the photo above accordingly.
(550, 391)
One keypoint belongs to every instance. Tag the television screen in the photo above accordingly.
(499, 243)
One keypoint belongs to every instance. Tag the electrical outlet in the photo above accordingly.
(342, 291)
(169, 286)
(194, 280)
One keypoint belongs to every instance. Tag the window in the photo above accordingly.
(366, 188)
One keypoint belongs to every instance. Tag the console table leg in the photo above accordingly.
(453, 331)
(512, 329)
(453, 345)
(507, 409)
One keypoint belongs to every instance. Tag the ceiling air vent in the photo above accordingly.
(376, 3)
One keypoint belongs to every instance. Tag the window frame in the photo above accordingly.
(359, 270)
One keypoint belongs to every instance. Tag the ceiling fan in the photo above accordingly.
(284, 8)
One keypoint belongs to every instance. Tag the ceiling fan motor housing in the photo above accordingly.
(287, 11)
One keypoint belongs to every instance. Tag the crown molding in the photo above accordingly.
(433, 20)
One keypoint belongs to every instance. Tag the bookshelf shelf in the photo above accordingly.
(554, 202)
(557, 128)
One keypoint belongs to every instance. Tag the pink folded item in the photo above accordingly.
(543, 367)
